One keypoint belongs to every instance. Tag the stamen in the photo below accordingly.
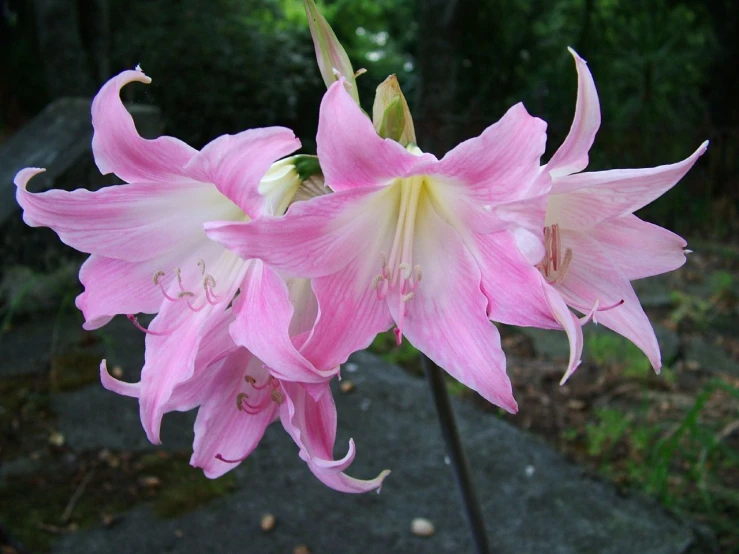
(240, 400)
(132, 318)
(201, 265)
(157, 275)
(408, 297)
(376, 281)
(276, 396)
(419, 273)
(564, 267)
(253, 382)
(219, 457)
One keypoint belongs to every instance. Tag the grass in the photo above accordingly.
(690, 466)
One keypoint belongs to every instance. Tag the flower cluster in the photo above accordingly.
(266, 272)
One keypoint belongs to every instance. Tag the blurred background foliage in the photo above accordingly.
(665, 69)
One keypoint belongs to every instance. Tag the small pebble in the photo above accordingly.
(149, 481)
(351, 367)
(422, 527)
(530, 470)
(117, 371)
(268, 522)
(56, 439)
(301, 549)
(346, 386)
(178, 533)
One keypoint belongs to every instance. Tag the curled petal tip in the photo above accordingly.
(115, 385)
(24, 175)
(381, 478)
(570, 371)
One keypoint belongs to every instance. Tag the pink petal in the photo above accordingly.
(236, 163)
(312, 425)
(263, 313)
(117, 386)
(172, 348)
(119, 149)
(595, 197)
(591, 278)
(314, 238)
(502, 164)
(221, 429)
(133, 222)
(637, 249)
(569, 323)
(116, 287)
(572, 155)
(510, 283)
(352, 154)
(447, 318)
(350, 314)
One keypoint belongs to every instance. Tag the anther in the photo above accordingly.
(376, 281)
(240, 399)
(405, 270)
(408, 297)
(249, 379)
(419, 272)
(201, 265)
(276, 396)
(157, 276)
(184, 293)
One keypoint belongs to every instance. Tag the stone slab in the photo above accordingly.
(534, 500)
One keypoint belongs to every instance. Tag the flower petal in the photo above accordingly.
(116, 385)
(352, 154)
(130, 222)
(569, 323)
(637, 249)
(115, 287)
(312, 425)
(224, 434)
(447, 317)
(511, 285)
(314, 238)
(350, 314)
(263, 313)
(236, 164)
(595, 197)
(119, 149)
(502, 164)
(178, 329)
(591, 278)
(572, 155)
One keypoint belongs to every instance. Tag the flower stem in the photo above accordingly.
(472, 508)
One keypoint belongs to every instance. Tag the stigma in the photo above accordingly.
(556, 262)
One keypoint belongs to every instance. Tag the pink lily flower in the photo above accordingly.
(595, 245)
(238, 395)
(408, 238)
(149, 252)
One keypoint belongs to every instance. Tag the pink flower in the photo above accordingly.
(149, 252)
(410, 239)
(239, 395)
(594, 244)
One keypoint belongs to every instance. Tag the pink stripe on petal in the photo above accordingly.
(637, 249)
(117, 146)
(598, 196)
(352, 154)
(572, 155)
(236, 163)
(447, 317)
(502, 164)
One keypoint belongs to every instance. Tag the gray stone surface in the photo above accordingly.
(534, 501)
